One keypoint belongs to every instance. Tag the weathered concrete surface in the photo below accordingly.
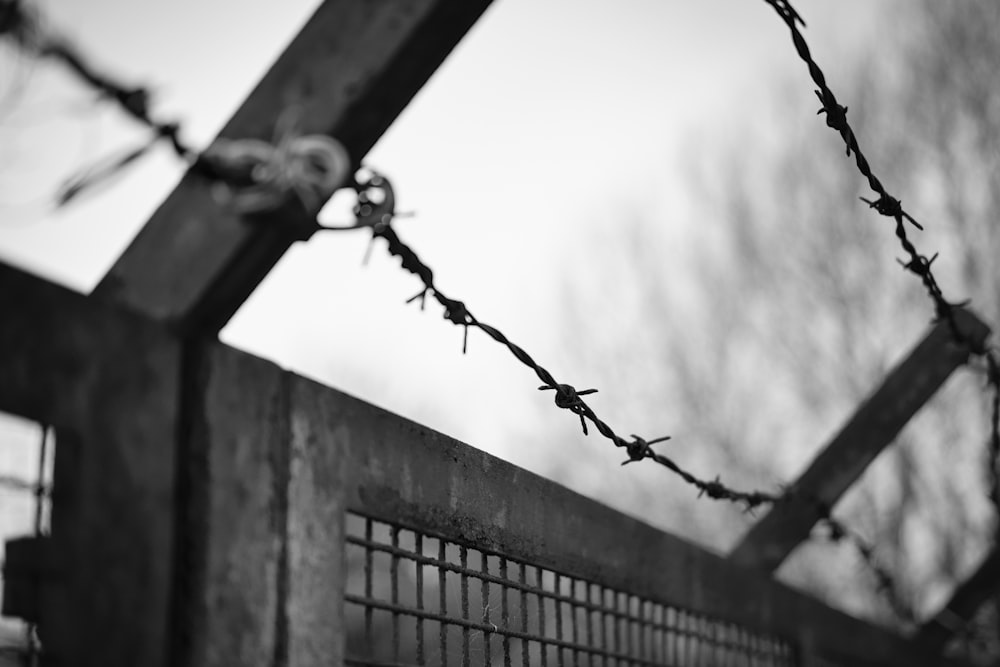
(412, 476)
(271, 461)
(234, 528)
(108, 381)
(317, 569)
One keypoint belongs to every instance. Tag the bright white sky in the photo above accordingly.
(551, 120)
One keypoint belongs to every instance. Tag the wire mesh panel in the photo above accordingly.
(25, 507)
(419, 599)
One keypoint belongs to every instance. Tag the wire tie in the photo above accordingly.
(568, 398)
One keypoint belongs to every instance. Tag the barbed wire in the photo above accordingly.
(25, 29)
(228, 166)
(23, 26)
(889, 206)
(916, 263)
(135, 101)
(885, 581)
(378, 213)
(375, 211)
(258, 175)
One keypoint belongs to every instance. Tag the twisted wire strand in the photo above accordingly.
(885, 204)
(377, 213)
(916, 263)
(258, 175)
(17, 23)
(378, 218)
(22, 25)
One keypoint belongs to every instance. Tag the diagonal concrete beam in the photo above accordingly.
(352, 69)
(870, 430)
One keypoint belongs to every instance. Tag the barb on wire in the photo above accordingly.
(889, 206)
(255, 176)
(134, 101)
(885, 204)
(375, 210)
(838, 532)
(916, 263)
(23, 26)
(259, 176)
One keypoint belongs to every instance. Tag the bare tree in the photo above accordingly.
(761, 326)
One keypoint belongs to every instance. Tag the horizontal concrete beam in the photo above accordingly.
(409, 475)
(273, 460)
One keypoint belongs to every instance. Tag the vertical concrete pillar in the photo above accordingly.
(317, 495)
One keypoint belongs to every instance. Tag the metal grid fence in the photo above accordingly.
(421, 599)
(26, 450)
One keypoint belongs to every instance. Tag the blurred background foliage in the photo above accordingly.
(757, 323)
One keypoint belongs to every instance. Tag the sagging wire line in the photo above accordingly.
(23, 26)
(885, 204)
(889, 206)
(258, 176)
(233, 162)
(916, 263)
(375, 211)
(885, 583)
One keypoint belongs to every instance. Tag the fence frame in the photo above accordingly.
(350, 71)
(107, 381)
(274, 462)
(169, 434)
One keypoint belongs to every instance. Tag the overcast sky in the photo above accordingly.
(549, 121)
